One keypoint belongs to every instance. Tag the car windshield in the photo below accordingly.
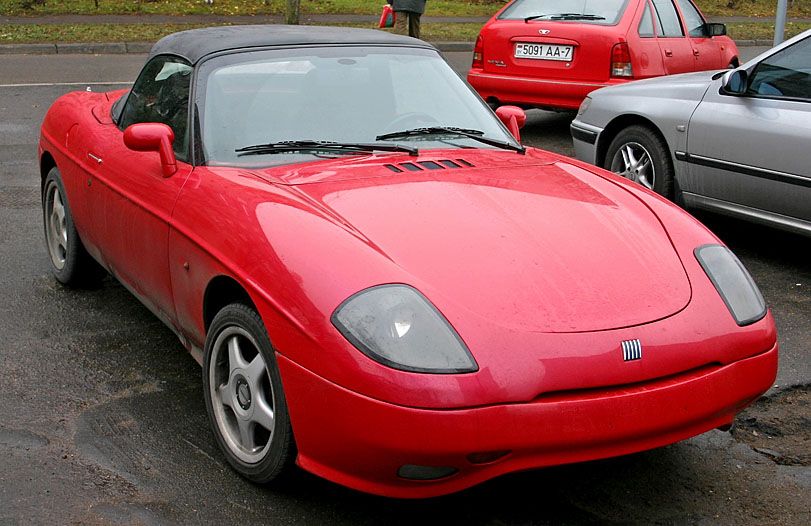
(607, 12)
(286, 106)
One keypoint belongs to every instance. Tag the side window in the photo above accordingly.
(161, 94)
(692, 19)
(646, 24)
(786, 74)
(668, 18)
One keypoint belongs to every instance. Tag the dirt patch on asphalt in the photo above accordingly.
(779, 426)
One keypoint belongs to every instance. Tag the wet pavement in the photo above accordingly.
(102, 418)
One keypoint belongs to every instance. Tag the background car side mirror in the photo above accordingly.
(715, 30)
(513, 118)
(735, 82)
(153, 137)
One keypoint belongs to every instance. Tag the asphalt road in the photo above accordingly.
(102, 418)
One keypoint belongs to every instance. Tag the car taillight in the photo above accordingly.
(621, 61)
(478, 53)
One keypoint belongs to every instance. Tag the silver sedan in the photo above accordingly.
(735, 141)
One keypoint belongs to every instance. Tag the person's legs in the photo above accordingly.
(414, 25)
(401, 26)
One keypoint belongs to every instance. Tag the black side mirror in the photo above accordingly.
(735, 82)
(715, 30)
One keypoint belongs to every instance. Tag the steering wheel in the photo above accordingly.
(412, 119)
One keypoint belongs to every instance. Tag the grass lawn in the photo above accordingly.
(236, 7)
(798, 8)
(65, 33)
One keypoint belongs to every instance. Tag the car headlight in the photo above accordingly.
(732, 282)
(398, 327)
(584, 106)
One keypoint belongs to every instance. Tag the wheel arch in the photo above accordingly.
(46, 164)
(616, 126)
(221, 291)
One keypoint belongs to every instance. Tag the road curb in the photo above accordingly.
(28, 49)
(120, 48)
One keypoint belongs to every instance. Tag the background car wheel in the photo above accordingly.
(639, 154)
(244, 397)
(70, 262)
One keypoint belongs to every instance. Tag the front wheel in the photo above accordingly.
(244, 397)
(639, 154)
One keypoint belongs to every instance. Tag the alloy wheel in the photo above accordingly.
(633, 162)
(242, 395)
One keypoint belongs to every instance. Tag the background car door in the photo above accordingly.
(132, 201)
(754, 148)
(677, 53)
(647, 45)
(706, 51)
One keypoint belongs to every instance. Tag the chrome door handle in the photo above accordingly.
(97, 159)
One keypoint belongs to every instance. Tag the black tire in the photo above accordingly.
(644, 141)
(70, 262)
(243, 399)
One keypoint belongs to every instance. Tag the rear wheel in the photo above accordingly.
(244, 397)
(639, 154)
(70, 262)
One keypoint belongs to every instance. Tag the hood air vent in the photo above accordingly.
(428, 165)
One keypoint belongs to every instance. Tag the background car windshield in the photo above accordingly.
(342, 94)
(610, 10)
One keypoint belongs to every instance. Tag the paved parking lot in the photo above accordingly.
(102, 418)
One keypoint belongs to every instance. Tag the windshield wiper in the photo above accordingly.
(348, 148)
(565, 16)
(476, 135)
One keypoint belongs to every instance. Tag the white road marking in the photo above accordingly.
(51, 84)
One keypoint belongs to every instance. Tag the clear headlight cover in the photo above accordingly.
(398, 327)
(733, 283)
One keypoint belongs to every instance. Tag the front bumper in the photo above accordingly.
(585, 138)
(528, 91)
(360, 442)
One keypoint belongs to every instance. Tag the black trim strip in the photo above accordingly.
(583, 135)
(754, 171)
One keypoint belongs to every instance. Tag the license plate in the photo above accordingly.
(543, 51)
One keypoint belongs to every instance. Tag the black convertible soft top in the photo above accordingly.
(197, 43)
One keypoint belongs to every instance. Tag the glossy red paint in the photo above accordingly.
(153, 137)
(501, 78)
(513, 118)
(529, 257)
(370, 439)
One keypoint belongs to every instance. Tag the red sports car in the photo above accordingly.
(552, 53)
(381, 284)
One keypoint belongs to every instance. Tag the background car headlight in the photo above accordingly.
(584, 106)
(733, 283)
(398, 327)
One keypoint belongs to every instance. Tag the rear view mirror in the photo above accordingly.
(735, 82)
(715, 30)
(513, 118)
(153, 137)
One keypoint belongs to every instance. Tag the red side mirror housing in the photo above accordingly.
(513, 118)
(153, 137)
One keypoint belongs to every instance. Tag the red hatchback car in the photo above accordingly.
(552, 53)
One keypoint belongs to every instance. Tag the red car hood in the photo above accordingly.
(531, 243)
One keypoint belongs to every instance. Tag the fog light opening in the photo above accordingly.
(487, 457)
(414, 472)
